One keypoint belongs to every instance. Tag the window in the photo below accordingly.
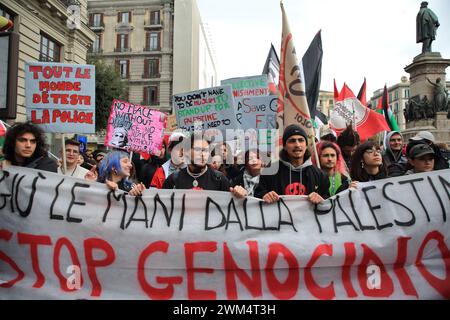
(50, 50)
(123, 67)
(155, 17)
(153, 41)
(407, 93)
(396, 95)
(151, 68)
(390, 97)
(151, 95)
(96, 46)
(122, 42)
(396, 108)
(330, 102)
(124, 17)
(96, 19)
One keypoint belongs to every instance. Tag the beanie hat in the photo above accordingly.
(293, 130)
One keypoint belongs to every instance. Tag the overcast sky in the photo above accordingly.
(361, 38)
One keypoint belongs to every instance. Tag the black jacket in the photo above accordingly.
(210, 180)
(288, 180)
(43, 163)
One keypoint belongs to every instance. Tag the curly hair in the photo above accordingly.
(357, 172)
(340, 164)
(18, 130)
(348, 137)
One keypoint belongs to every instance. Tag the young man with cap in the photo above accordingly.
(296, 175)
(393, 158)
(440, 163)
(175, 163)
(421, 157)
(197, 175)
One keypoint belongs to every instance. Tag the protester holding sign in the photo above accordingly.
(72, 159)
(296, 174)
(115, 169)
(332, 163)
(197, 175)
(367, 163)
(175, 163)
(25, 147)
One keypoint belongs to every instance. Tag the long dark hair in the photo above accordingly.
(17, 130)
(357, 172)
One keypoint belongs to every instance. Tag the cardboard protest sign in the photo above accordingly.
(60, 97)
(135, 128)
(64, 238)
(254, 86)
(257, 117)
(207, 109)
(171, 123)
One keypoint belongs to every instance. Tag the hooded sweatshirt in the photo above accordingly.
(395, 162)
(290, 180)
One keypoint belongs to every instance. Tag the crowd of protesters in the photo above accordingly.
(192, 162)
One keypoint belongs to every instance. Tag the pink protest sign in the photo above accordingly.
(135, 128)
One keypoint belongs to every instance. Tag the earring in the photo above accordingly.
(362, 164)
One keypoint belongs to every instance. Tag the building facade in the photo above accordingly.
(326, 102)
(158, 46)
(194, 62)
(46, 33)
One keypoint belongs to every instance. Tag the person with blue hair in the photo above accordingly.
(115, 170)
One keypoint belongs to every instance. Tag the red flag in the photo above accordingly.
(349, 109)
(336, 92)
(362, 93)
(2, 129)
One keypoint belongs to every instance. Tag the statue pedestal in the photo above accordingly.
(439, 127)
(430, 65)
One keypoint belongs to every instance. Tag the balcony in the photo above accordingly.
(95, 50)
(123, 50)
(98, 27)
(152, 49)
(151, 76)
(152, 25)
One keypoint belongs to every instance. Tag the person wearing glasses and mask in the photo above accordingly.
(367, 163)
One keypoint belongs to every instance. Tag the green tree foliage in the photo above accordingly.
(108, 86)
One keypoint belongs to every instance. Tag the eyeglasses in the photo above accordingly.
(372, 151)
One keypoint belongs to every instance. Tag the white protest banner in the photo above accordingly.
(254, 86)
(135, 128)
(60, 97)
(64, 238)
(207, 109)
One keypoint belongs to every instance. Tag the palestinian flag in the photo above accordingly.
(384, 109)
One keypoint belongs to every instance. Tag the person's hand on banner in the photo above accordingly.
(111, 185)
(315, 198)
(137, 190)
(271, 197)
(238, 192)
(91, 175)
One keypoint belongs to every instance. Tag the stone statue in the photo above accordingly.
(426, 25)
(440, 95)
